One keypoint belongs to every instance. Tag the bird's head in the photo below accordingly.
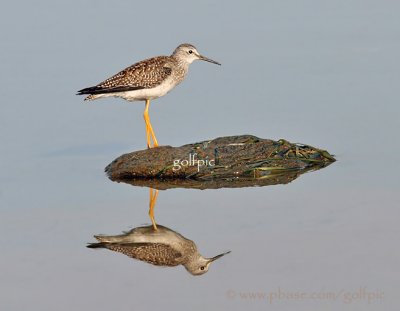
(188, 53)
(201, 265)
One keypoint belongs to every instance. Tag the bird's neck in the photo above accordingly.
(182, 64)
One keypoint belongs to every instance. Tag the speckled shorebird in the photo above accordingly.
(147, 80)
(161, 247)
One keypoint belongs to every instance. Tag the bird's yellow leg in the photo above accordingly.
(146, 120)
(153, 135)
(155, 142)
(153, 200)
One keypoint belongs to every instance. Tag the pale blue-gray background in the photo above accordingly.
(325, 73)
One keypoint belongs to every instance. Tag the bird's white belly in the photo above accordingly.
(152, 93)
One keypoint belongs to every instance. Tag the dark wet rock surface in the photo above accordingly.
(233, 161)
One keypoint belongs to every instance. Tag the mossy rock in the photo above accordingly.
(236, 160)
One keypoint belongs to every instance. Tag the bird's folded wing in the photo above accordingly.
(145, 74)
(154, 253)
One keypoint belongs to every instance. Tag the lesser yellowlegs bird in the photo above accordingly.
(147, 80)
(161, 247)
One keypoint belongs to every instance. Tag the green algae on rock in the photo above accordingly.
(233, 160)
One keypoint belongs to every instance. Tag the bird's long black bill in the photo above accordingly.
(209, 60)
(218, 256)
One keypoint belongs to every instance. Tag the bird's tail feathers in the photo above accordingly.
(90, 97)
(91, 91)
(97, 245)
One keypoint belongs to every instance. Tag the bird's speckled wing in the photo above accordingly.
(145, 74)
(154, 253)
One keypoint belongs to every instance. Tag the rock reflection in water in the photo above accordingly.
(161, 247)
(269, 177)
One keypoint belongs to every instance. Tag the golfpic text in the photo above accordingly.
(192, 161)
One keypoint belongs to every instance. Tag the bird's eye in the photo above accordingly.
(190, 52)
(201, 268)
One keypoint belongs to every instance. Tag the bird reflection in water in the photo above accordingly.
(157, 245)
(161, 247)
(152, 203)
